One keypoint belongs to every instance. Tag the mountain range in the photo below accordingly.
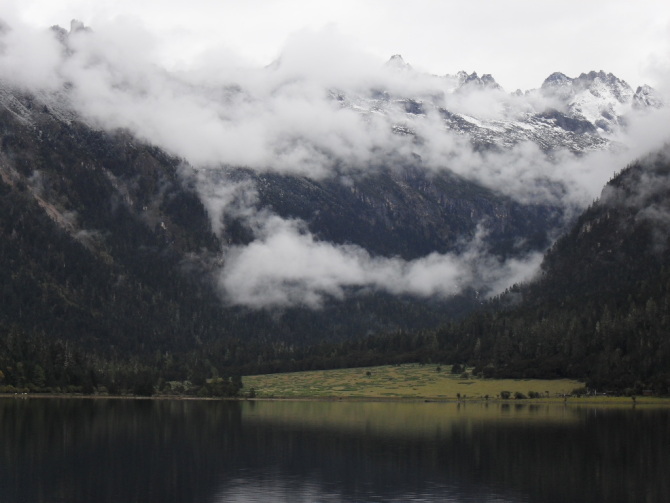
(153, 225)
(564, 113)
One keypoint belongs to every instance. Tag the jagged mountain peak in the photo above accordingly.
(556, 79)
(646, 97)
(397, 62)
(590, 80)
(62, 35)
(76, 25)
(578, 114)
(600, 82)
(601, 98)
(60, 32)
(472, 81)
(488, 79)
(593, 75)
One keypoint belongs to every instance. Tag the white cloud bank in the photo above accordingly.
(287, 267)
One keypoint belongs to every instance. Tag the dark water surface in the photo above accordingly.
(99, 451)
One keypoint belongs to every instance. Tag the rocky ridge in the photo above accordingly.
(578, 114)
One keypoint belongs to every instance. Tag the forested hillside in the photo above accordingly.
(96, 231)
(602, 306)
(599, 311)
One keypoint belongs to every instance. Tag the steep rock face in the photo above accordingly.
(410, 213)
(473, 82)
(599, 98)
(398, 63)
(646, 97)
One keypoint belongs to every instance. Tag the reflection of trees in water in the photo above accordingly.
(606, 456)
(588, 458)
(187, 451)
(113, 450)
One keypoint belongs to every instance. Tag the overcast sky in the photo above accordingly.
(520, 42)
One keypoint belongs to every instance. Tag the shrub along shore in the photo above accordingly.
(404, 382)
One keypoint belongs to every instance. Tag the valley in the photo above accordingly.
(300, 225)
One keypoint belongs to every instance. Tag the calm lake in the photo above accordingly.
(97, 451)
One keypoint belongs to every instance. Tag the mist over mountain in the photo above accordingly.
(324, 197)
(599, 311)
(326, 114)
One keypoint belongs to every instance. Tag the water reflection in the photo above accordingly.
(189, 451)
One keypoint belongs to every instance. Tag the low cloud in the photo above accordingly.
(287, 266)
(29, 58)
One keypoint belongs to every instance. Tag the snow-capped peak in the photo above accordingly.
(76, 26)
(598, 97)
(600, 82)
(558, 85)
(398, 63)
(646, 97)
(472, 81)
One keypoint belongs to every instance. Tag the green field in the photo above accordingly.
(397, 381)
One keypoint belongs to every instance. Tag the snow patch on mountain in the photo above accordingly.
(647, 97)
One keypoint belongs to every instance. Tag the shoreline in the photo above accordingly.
(603, 400)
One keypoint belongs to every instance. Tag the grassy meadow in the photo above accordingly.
(398, 381)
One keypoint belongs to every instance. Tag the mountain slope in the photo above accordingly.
(601, 309)
(96, 230)
(410, 213)
(105, 244)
